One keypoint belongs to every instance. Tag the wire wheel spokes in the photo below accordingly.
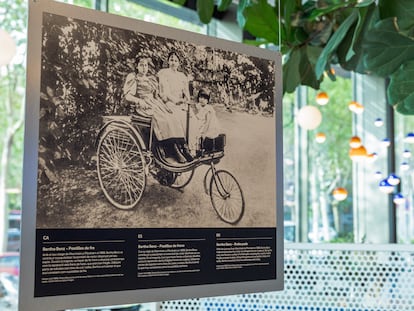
(227, 197)
(121, 171)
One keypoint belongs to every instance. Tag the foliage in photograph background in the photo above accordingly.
(84, 66)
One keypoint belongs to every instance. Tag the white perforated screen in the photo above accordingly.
(329, 277)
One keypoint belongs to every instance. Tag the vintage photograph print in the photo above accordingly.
(142, 131)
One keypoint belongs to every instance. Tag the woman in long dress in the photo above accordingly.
(174, 84)
(175, 93)
(141, 90)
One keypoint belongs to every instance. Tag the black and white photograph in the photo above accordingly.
(142, 131)
(153, 161)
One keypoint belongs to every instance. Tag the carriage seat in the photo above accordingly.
(134, 119)
(141, 120)
(215, 144)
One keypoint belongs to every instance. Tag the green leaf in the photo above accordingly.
(326, 10)
(403, 9)
(308, 6)
(223, 5)
(364, 3)
(291, 74)
(386, 49)
(240, 9)
(309, 55)
(404, 110)
(313, 53)
(400, 91)
(180, 2)
(300, 36)
(360, 24)
(298, 68)
(288, 11)
(350, 50)
(322, 34)
(334, 42)
(205, 9)
(262, 21)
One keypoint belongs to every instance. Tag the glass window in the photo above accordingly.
(403, 196)
(290, 204)
(317, 164)
(330, 167)
(146, 11)
(12, 90)
(83, 3)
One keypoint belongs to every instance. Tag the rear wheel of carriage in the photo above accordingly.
(121, 165)
(226, 196)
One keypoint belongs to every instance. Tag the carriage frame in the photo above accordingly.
(128, 153)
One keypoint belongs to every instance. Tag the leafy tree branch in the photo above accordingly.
(364, 36)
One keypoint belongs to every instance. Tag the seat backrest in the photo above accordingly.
(141, 120)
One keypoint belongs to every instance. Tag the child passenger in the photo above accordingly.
(205, 114)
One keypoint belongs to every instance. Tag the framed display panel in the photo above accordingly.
(153, 163)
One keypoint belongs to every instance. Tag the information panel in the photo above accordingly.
(153, 163)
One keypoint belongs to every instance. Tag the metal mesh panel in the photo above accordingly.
(334, 277)
(189, 304)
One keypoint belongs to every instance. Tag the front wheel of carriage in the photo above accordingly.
(226, 196)
(121, 167)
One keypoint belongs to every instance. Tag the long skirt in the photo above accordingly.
(167, 125)
(189, 123)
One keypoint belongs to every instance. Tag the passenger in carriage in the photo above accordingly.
(141, 90)
(206, 115)
(175, 93)
(209, 128)
(174, 84)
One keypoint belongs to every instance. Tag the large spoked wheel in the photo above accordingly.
(226, 196)
(207, 177)
(121, 171)
(182, 179)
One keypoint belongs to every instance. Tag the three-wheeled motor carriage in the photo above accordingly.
(128, 153)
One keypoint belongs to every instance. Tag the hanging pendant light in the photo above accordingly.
(404, 166)
(406, 154)
(322, 98)
(356, 107)
(409, 138)
(359, 109)
(355, 142)
(320, 138)
(309, 117)
(385, 186)
(398, 199)
(352, 105)
(393, 179)
(378, 175)
(386, 142)
(378, 122)
(340, 194)
(8, 48)
(358, 154)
